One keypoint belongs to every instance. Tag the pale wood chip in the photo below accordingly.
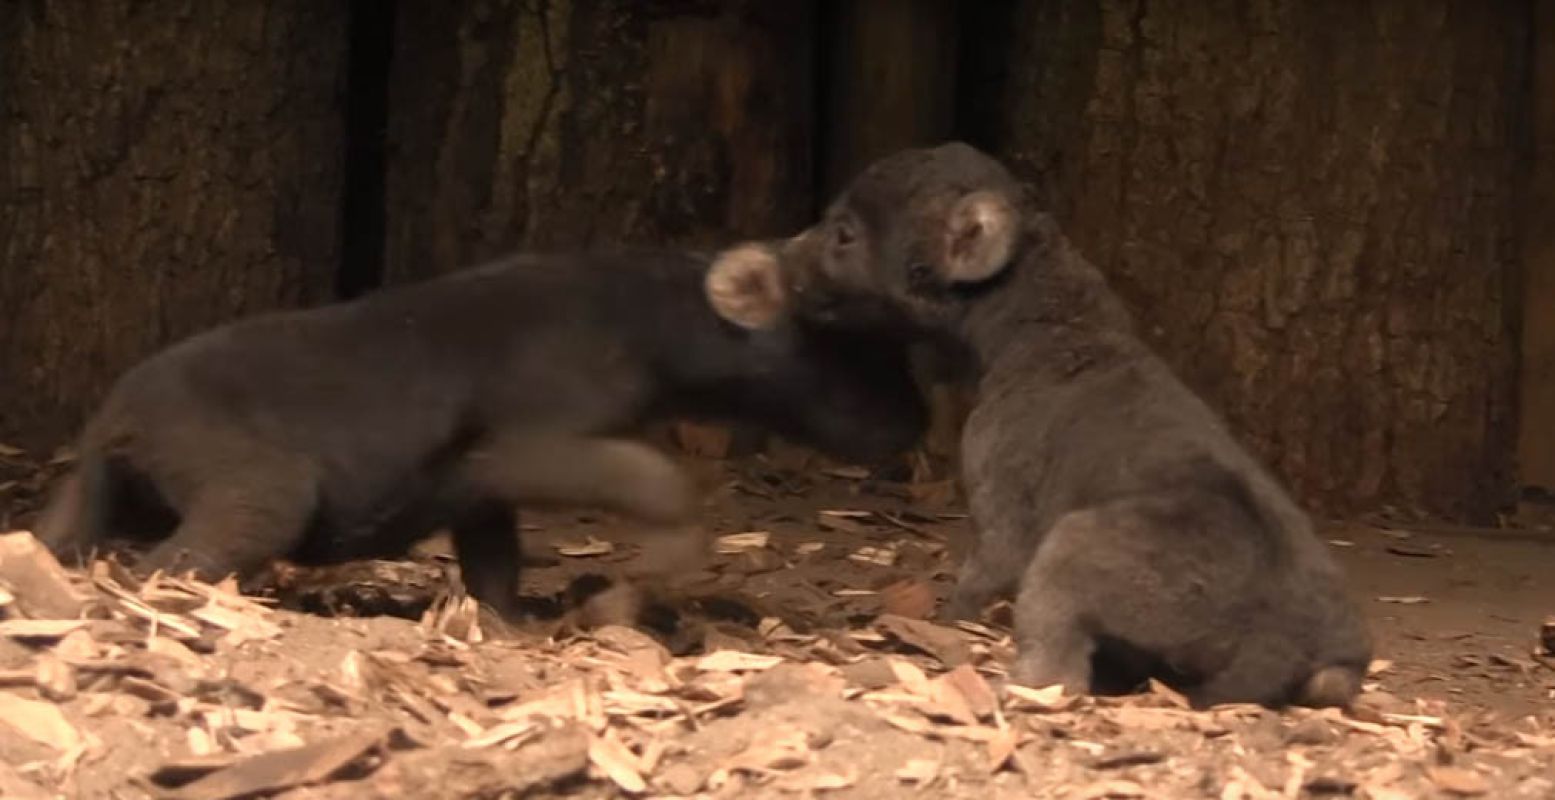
(846, 513)
(132, 606)
(238, 626)
(921, 771)
(787, 750)
(736, 543)
(910, 676)
(811, 782)
(616, 762)
(502, 733)
(1458, 780)
(282, 769)
(879, 556)
(1047, 698)
(40, 628)
(79, 646)
(55, 679)
(1169, 694)
(1108, 790)
(736, 661)
(34, 579)
(1001, 745)
(41, 722)
(589, 547)
(628, 703)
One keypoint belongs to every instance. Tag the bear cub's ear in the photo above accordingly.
(745, 286)
(980, 236)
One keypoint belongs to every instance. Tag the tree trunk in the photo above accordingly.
(568, 122)
(1536, 445)
(163, 167)
(890, 81)
(1312, 207)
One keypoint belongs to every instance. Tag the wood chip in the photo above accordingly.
(55, 679)
(736, 543)
(1047, 698)
(979, 696)
(879, 556)
(240, 625)
(842, 523)
(1406, 600)
(1169, 694)
(1108, 790)
(40, 628)
(1458, 781)
(132, 606)
(1128, 758)
(1412, 551)
(810, 782)
(780, 751)
(616, 762)
(945, 644)
(921, 771)
(910, 598)
(1001, 746)
(281, 769)
(181, 771)
(910, 677)
(502, 733)
(34, 578)
(587, 548)
(735, 661)
(41, 722)
(14, 786)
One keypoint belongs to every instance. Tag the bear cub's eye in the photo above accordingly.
(843, 234)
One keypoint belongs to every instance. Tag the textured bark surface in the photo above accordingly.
(890, 81)
(1312, 207)
(1536, 450)
(163, 167)
(561, 123)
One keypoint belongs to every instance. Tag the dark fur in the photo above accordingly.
(1106, 491)
(352, 430)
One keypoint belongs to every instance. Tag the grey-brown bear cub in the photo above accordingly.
(352, 430)
(1142, 538)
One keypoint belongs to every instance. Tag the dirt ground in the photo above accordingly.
(798, 664)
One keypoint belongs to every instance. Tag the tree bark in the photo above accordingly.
(163, 167)
(1312, 206)
(1536, 439)
(562, 123)
(890, 82)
